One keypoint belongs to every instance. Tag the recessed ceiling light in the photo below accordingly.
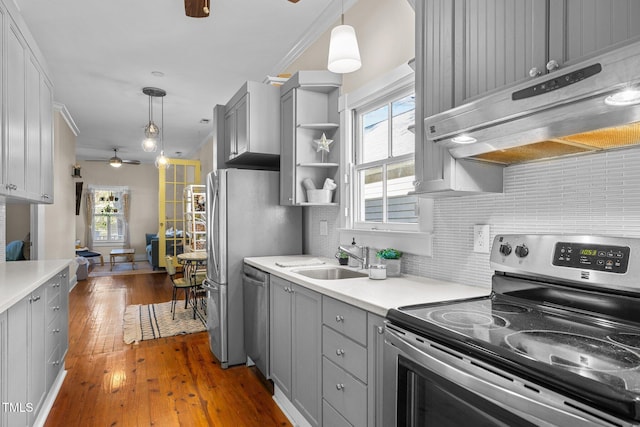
(157, 73)
(463, 139)
(622, 98)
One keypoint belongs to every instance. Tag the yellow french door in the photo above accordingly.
(171, 184)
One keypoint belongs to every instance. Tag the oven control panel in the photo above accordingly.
(611, 259)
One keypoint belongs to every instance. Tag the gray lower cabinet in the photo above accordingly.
(34, 334)
(3, 367)
(352, 365)
(295, 334)
(375, 335)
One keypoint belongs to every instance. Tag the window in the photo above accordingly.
(384, 166)
(108, 215)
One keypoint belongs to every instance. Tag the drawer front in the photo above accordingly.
(345, 393)
(54, 335)
(345, 353)
(54, 364)
(331, 417)
(346, 319)
(53, 308)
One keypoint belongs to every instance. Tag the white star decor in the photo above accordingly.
(323, 143)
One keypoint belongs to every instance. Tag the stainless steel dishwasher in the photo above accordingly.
(255, 284)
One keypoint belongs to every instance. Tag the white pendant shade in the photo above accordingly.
(162, 161)
(344, 55)
(149, 145)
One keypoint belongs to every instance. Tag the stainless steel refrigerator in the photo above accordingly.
(244, 219)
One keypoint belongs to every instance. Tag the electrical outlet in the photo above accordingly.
(324, 228)
(481, 238)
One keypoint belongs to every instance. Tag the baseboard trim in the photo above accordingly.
(287, 408)
(50, 399)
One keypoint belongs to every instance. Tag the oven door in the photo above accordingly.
(427, 384)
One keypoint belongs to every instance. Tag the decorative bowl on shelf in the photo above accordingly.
(319, 196)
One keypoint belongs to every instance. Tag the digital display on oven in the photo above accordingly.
(610, 259)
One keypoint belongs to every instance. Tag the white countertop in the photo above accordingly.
(376, 296)
(19, 278)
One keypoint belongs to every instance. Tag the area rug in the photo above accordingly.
(122, 269)
(148, 322)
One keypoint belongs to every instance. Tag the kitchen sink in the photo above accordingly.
(330, 273)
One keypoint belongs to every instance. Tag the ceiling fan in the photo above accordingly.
(116, 161)
(202, 8)
(197, 8)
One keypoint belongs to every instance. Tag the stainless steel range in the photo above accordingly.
(557, 343)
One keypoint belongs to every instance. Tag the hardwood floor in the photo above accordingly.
(172, 381)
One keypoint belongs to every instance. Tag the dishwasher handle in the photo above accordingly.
(250, 280)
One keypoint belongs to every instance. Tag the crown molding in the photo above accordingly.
(62, 109)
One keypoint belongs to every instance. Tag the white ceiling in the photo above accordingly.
(101, 54)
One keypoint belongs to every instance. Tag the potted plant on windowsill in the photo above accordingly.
(391, 258)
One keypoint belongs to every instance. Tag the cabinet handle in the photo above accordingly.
(339, 386)
(45, 196)
(339, 352)
(380, 330)
(56, 331)
(291, 199)
(56, 308)
(339, 318)
(552, 65)
(36, 298)
(534, 72)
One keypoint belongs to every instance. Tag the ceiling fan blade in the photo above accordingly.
(294, 1)
(131, 162)
(197, 8)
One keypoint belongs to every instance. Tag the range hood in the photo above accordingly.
(582, 108)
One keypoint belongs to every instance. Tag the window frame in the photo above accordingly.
(377, 99)
(118, 192)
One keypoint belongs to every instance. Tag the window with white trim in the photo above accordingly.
(108, 215)
(384, 168)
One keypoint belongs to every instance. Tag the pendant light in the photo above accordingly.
(344, 55)
(162, 162)
(151, 130)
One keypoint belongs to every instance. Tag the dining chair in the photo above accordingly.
(178, 283)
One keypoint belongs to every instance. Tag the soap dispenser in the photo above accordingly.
(356, 250)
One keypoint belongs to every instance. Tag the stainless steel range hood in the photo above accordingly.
(561, 113)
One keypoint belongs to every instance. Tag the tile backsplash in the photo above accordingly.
(589, 194)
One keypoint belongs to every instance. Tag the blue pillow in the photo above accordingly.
(149, 237)
(14, 251)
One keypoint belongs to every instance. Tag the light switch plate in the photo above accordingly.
(481, 238)
(324, 228)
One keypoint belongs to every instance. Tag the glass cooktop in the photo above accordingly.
(600, 350)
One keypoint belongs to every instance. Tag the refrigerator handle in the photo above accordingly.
(214, 205)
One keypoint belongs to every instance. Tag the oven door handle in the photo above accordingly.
(542, 413)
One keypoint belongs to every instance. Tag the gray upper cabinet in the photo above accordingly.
(496, 43)
(309, 109)
(500, 42)
(252, 124)
(581, 28)
(27, 137)
(438, 174)
(467, 48)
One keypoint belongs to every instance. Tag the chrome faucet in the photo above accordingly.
(363, 260)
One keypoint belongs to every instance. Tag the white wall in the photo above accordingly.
(58, 219)
(142, 181)
(18, 221)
